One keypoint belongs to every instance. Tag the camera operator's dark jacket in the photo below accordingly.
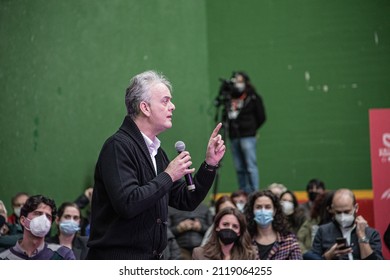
(250, 117)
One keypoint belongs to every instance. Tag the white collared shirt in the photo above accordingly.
(347, 235)
(152, 147)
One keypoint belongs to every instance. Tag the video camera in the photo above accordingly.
(227, 91)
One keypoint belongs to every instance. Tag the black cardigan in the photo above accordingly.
(130, 203)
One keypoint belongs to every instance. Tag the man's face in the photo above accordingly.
(343, 204)
(42, 209)
(344, 210)
(240, 199)
(20, 201)
(160, 108)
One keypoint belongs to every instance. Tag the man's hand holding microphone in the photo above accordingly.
(180, 166)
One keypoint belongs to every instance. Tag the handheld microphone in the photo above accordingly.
(180, 146)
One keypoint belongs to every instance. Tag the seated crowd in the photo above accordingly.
(263, 225)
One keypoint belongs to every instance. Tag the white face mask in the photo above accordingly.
(345, 220)
(17, 211)
(287, 207)
(240, 206)
(39, 226)
(240, 86)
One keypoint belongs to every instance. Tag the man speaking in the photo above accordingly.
(135, 181)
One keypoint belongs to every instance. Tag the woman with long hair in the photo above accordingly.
(229, 240)
(68, 225)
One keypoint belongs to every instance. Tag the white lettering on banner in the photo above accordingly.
(384, 153)
(386, 139)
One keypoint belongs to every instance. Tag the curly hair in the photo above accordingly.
(242, 249)
(279, 222)
(33, 202)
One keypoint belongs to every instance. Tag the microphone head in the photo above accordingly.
(180, 146)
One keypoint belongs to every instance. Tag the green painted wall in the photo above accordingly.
(64, 66)
(320, 66)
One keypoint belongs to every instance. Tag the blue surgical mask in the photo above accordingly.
(69, 227)
(263, 217)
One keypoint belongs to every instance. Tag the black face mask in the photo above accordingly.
(312, 196)
(227, 236)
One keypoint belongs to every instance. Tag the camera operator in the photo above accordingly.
(244, 116)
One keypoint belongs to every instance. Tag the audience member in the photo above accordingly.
(3, 225)
(172, 251)
(230, 239)
(313, 188)
(268, 228)
(135, 181)
(189, 228)
(36, 217)
(3, 209)
(361, 241)
(7, 238)
(240, 198)
(222, 202)
(17, 203)
(295, 216)
(277, 189)
(68, 224)
(320, 214)
(3, 219)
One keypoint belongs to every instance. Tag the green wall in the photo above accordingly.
(320, 66)
(64, 67)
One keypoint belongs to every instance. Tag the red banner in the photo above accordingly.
(380, 169)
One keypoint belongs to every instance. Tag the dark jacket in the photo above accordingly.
(172, 251)
(326, 237)
(130, 203)
(250, 117)
(79, 245)
(386, 237)
(190, 239)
